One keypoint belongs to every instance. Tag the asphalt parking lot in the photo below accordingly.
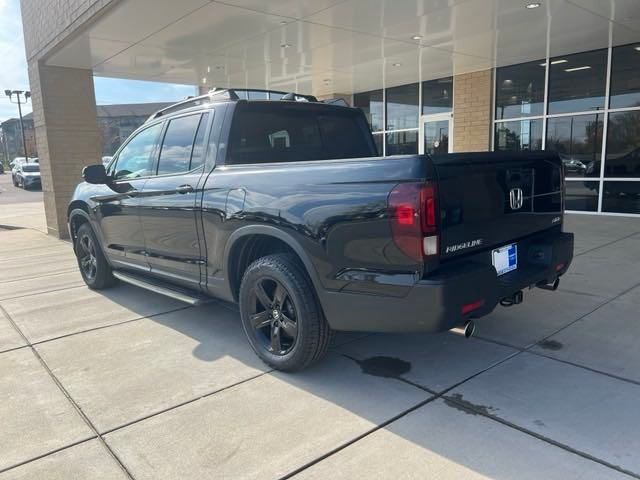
(128, 384)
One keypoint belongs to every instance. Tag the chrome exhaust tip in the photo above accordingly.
(467, 330)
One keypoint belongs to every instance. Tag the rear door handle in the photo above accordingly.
(182, 189)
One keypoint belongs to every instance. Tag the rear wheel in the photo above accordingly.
(94, 268)
(280, 314)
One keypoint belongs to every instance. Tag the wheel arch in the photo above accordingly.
(240, 252)
(77, 215)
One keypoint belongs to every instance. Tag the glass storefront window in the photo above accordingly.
(371, 104)
(437, 96)
(621, 197)
(520, 90)
(402, 107)
(378, 138)
(582, 196)
(623, 145)
(625, 76)
(518, 135)
(402, 143)
(577, 82)
(578, 140)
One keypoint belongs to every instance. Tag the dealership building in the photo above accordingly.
(431, 76)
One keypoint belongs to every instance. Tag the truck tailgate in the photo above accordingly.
(491, 199)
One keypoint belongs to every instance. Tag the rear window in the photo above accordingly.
(31, 168)
(273, 132)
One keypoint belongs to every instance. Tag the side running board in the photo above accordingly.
(183, 295)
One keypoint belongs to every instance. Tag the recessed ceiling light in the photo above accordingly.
(557, 62)
(208, 69)
(575, 69)
(204, 80)
(397, 64)
(638, 48)
(533, 5)
(285, 45)
(416, 37)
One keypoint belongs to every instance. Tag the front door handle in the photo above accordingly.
(182, 189)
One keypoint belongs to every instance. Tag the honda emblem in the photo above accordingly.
(516, 198)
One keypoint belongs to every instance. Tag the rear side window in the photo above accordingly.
(270, 132)
(177, 145)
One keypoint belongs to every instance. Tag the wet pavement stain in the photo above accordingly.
(550, 345)
(459, 403)
(386, 367)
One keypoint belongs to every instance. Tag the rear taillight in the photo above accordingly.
(414, 219)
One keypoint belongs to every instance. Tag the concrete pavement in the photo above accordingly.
(127, 384)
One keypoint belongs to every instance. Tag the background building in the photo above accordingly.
(11, 138)
(116, 123)
(432, 75)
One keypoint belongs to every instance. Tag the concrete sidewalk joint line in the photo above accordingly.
(68, 397)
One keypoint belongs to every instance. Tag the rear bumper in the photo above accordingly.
(435, 304)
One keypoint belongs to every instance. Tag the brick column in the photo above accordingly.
(67, 135)
(472, 111)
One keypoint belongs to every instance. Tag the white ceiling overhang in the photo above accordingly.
(336, 46)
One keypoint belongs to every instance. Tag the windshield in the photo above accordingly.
(31, 168)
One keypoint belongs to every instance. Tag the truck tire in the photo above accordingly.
(281, 315)
(94, 268)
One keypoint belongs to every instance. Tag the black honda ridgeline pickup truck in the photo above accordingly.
(285, 208)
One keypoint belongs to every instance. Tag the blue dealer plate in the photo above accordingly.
(505, 259)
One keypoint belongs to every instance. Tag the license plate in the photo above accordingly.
(505, 259)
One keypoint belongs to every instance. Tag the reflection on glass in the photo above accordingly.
(437, 96)
(402, 107)
(621, 197)
(625, 75)
(578, 140)
(623, 145)
(577, 82)
(402, 143)
(519, 135)
(371, 104)
(436, 137)
(520, 90)
(378, 138)
(581, 196)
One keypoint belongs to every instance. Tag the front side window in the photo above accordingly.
(135, 160)
(177, 146)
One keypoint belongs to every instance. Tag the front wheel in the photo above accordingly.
(94, 268)
(280, 314)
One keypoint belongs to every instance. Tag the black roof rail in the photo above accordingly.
(221, 94)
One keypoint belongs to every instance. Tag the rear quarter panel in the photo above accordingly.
(335, 210)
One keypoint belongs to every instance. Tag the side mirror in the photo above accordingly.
(95, 174)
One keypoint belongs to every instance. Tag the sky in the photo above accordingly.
(13, 72)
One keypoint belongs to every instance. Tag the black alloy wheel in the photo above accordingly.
(96, 271)
(273, 316)
(281, 315)
(87, 256)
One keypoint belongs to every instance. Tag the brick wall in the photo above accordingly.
(67, 135)
(472, 103)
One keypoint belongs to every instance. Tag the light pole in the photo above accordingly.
(27, 95)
